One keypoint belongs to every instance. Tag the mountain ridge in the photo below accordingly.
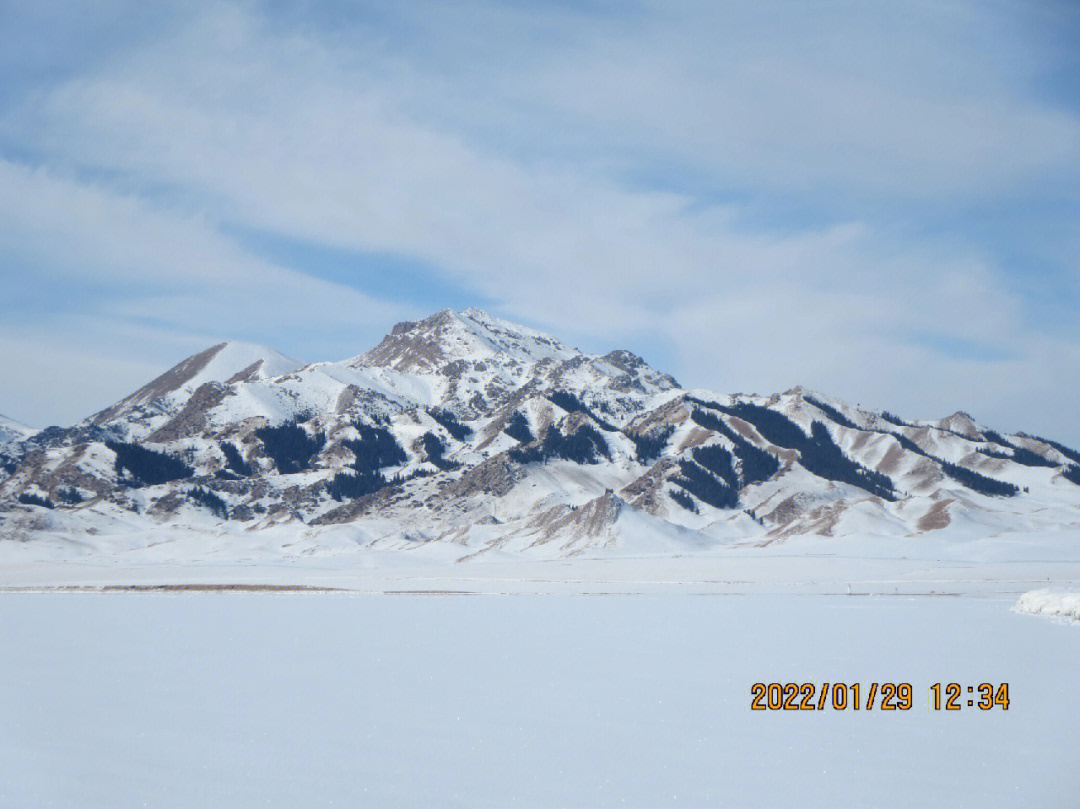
(468, 431)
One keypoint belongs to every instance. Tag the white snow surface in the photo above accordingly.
(235, 356)
(1051, 603)
(258, 700)
(11, 430)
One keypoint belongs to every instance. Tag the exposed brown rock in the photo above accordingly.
(246, 374)
(192, 418)
(789, 509)
(169, 381)
(495, 476)
(673, 412)
(412, 345)
(644, 493)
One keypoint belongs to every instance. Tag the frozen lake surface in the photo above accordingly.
(245, 700)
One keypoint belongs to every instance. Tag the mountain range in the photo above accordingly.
(472, 437)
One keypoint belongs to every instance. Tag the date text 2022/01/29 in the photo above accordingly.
(875, 696)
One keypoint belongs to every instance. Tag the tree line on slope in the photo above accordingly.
(290, 446)
(31, 499)
(831, 412)
(572, 404)
(705, 486)
(649, 445)
(966, 477)
(1019, 455)
(756, 464)
(147, 467)
(517, 427)
(435, 449)
(584, 446)
(234, 459)
(710, 477)
(450, 423)
(208, 499)
(818, 453)
(373, 449)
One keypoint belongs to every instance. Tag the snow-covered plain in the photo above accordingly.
(1009, 564)
(244, 700)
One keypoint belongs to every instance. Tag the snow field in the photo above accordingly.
(243, 700)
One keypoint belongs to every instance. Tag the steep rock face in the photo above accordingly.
(469, 431)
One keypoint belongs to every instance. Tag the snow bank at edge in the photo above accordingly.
(1050, 603)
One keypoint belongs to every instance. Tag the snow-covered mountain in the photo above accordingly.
(224, 363)
(11, 430)
(475, 435)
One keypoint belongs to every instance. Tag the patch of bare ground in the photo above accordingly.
(695, 438)
(645, 492)
(937, 517)
(672, 412)
(891, 462)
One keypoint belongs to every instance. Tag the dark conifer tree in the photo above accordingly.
(349, 486)
(30, 499)
(234, 459)
(572, 404)
(290, 446)
(450, 422)
(585, 446)
(434, 448)
(69, 495)
(824, 458)
(705, 487)
(756, 464)
(831, 412)
(147, 466)
(684, 500)
(718, 461)
(374, 449)
(517, 427)
(648, 446)
(210, 500)
(966, 477)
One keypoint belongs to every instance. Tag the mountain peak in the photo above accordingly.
(230, 361)
(423, 346)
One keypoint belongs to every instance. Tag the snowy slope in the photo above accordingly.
(11, 430)
(229, 362)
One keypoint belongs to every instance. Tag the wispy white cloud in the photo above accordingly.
(172, 285)
(501, 163)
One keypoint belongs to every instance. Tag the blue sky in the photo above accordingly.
(877, 200)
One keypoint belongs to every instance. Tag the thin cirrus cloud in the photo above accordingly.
(870, 98)
(800, 166)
